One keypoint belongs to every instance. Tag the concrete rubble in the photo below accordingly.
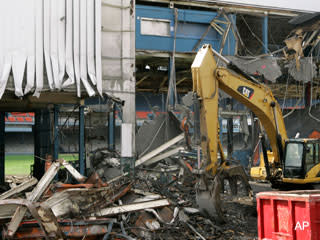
(155, 202)
(154, 199)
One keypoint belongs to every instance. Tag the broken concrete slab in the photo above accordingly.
(306, 70)
(267, 66)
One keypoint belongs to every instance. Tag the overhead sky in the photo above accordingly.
(296, 5)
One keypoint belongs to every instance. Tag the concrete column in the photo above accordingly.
(265, 33)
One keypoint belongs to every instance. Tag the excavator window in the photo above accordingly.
(295, 165)
(310, 156)
(294, 155)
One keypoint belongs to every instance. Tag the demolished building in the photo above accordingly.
(125, 67)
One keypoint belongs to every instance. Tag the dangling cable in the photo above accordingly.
(311, 93)
(172, 81)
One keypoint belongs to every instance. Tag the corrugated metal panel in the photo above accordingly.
(155, 30)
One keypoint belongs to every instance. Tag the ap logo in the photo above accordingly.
(301, 225)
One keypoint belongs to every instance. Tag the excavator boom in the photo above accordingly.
(208, 79)
(292, 161)
(206, 88)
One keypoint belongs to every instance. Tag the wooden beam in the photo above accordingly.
(34, 196)
(19, 188)
(158, 150)
(80, 178)
(164, 80)
(132, 207)
(141, 80)
(164, 155)
(181, 80)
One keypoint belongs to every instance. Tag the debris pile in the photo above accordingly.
(105, 163)
(155, 203)
(303, 40)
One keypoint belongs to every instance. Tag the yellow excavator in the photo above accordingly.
(291, 161)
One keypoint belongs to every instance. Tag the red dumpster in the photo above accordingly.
(293, 215)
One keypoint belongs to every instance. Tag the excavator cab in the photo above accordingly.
(301, 161)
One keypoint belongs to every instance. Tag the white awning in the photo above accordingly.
(50, 40)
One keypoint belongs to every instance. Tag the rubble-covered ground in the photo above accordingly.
(240, 213)
(172, 178)
(155, 201)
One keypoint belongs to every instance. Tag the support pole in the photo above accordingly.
(2, 147)
(171, 92)
(111, 129)
(265, 33)
(81, 141)
(56, 133)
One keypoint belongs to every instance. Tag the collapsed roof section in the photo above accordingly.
(260, 45)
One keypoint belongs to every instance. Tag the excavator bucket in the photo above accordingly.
(227, 184)
(209, 201)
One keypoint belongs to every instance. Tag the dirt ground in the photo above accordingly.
(241, 215)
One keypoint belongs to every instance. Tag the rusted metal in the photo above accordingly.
(72, 229)
(166, 214)
(48, 162)
(62, 186)
(32, 209)
(96, 181)
(121, 191)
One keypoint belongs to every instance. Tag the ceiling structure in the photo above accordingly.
(152, 66)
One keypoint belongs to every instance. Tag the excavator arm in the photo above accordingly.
(206, 88)
(260, 100)
(298, 165)
(208, 79)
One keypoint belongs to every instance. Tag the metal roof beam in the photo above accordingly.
(234, 8)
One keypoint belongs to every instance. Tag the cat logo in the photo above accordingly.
(246, 91)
